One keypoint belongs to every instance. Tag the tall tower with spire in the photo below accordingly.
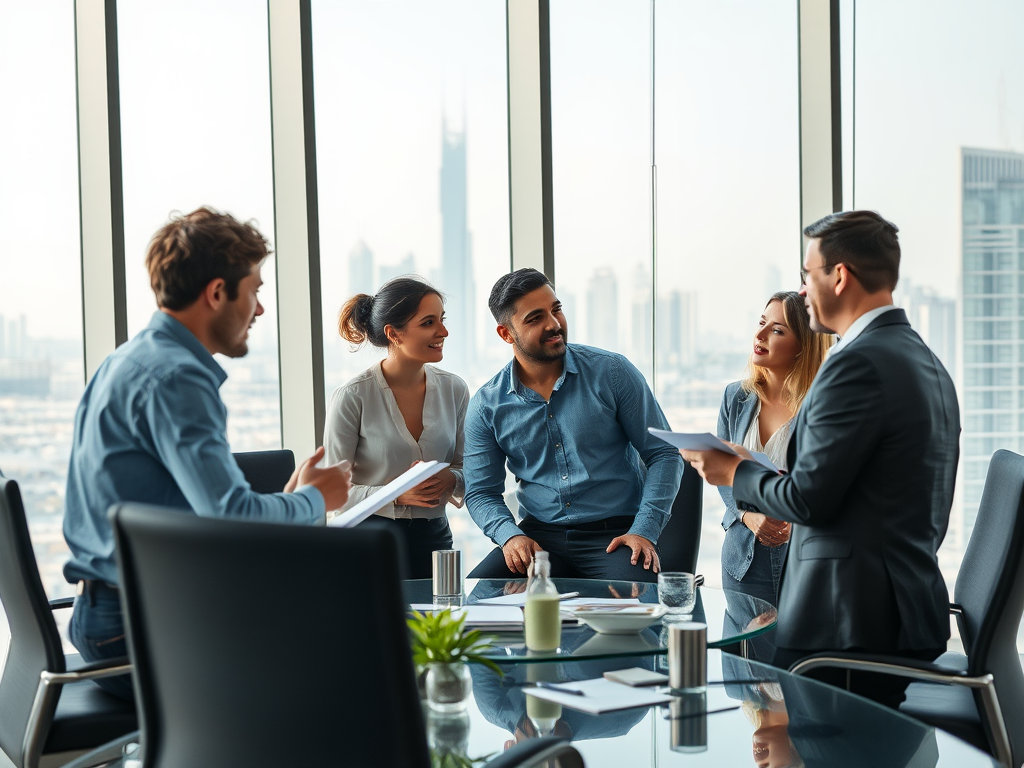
(457, 281)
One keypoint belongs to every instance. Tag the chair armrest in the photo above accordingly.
(955, 609)
(94, 671)
(535, 752)
(898, 666)
(62, 602)
(104, 754)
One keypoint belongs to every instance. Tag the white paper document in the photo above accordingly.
(408, 479)
(495, 618)
(600, 695)
(705, 441)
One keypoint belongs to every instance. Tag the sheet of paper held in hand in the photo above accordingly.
(408, 479)
(705, 441)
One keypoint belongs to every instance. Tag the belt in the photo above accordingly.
(606, 524)
(95, 585)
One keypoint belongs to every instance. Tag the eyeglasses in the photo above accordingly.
(805, 272)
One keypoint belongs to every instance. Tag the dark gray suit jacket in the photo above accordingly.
(872, 464)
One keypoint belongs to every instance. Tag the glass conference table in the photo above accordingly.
(751, 715)
(734, 620)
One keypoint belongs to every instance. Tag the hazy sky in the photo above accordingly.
(931, 77)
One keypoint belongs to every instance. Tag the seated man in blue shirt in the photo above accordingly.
(151, 426)
(595, 488)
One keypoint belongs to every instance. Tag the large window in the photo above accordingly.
(724, 164)
(41, 359)
(413, 172)
(195, 119)
(936, 146)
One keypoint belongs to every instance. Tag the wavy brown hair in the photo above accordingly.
(813, 349)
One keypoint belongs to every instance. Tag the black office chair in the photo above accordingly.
(266, 471)
(989, 599)
(259, 644)
(41, 712)
(680, 540)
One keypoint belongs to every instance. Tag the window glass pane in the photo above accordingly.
(41, 357)
(412, 170)
(601, 173)
(195, 130)
(727, 141)
(939, 145)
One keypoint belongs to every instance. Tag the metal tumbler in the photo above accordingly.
(689, 715)
(447, 573)
(688, 656)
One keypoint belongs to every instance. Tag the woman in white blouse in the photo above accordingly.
(758, 412)
(400, 411)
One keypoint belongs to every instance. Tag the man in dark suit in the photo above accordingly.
(872, 464)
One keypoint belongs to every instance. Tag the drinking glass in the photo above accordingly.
(676, 594)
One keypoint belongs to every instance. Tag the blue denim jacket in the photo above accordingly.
(734, 417)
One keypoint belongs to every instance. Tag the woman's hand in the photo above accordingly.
(432, 492)
(768, 530)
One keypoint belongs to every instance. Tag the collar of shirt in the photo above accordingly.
(515, 386)
(161, 322)
(858, 326)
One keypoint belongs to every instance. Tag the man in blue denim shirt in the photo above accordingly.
(151, 426)
(595, 488)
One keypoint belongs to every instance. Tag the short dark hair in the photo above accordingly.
(193, 249)
(865, 242)
(363, 317)
(511, 288)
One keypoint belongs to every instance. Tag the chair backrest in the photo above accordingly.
(266, 471)
(259, 644)
(680, 540)
(990, 587)
(35, 643)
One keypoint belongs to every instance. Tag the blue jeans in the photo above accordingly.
(97, 631)
(762, 577)
(576, 553)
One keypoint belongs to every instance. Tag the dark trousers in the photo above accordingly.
(576, 552)
(885, 689)
(97, 631)
(418, 538)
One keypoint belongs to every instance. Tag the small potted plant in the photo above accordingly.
(442, 646)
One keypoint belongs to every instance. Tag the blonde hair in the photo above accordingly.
(813, 349)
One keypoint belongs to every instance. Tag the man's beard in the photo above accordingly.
(223, 331)
(540, 352)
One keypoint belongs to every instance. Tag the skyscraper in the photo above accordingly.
(603, 310)
(642, 327)
(360, 269)
(457, 281)
(934, 318)
(993, 331)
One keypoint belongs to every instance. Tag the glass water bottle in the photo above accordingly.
(543, 622)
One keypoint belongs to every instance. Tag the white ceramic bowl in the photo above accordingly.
(627, 620)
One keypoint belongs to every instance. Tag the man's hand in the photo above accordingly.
(332, 482)
(717, 467)
(768, 530)
(519, 551)
(638, 544)
(432, 492)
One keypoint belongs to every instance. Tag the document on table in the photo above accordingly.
(600, 695)
(519, 598)
(496, 618)
(408, 479)
(705, 441)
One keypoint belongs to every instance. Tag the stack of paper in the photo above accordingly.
(492, 618)
(705, 441)
(600, 695)
(408, 479)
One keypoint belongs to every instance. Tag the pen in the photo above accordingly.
(559, 688)
(567, 595)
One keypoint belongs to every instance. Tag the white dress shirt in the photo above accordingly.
(365, 426)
